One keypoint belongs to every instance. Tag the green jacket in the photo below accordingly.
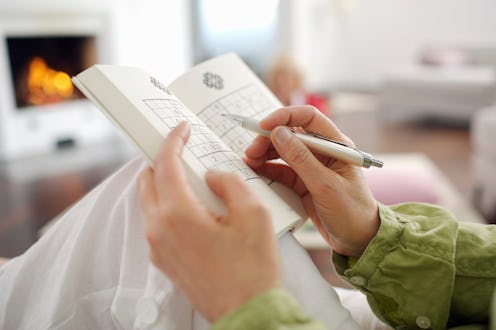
(423, 270)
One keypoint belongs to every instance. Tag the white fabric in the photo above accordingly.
(91, 271)
(356, 303)
(483, 135)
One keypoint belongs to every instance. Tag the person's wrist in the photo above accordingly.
(361, 228)
(369, 231)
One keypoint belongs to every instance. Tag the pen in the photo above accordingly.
(317, 143)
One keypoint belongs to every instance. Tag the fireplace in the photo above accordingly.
(40, 109)
(41, 67)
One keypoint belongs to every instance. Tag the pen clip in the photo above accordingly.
(330, 140)
(368, 159)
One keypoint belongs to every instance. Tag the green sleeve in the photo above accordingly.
(271, 310)
(426, 270)
(493, 312)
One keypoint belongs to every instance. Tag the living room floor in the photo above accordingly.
(27, 205)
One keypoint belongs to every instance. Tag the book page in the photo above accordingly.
(147, 111)
(225, 84)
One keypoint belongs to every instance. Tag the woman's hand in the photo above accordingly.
(218, 261)
(334, 193)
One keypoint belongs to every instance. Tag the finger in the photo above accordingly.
(255, 163)
(258, 147)
(283, 174)
(260, 151)
(307, 117)
(147, 193)
(299, 157)
(229, 187)
(170, 177)
(150, 207)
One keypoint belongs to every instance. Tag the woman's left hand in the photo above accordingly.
(219, 262)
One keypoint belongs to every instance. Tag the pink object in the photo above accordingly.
(400, 185)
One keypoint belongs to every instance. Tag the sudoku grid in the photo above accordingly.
(247, 101)
(209, 149)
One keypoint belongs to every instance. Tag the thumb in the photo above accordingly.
(298, 156)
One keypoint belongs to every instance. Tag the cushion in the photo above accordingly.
(392, 185)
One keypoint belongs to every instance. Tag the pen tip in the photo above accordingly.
(377, 163)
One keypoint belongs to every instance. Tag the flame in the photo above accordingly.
(46, 85)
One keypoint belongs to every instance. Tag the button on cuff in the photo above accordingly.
(358, 281)
(423, 322)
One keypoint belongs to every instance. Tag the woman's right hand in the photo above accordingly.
(334, 193)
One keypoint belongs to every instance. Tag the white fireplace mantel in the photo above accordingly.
(153, 34)
(39, 130)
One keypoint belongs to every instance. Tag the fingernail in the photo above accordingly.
(282, 135)
(183, 127)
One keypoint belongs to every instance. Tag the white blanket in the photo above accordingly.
(91, 270)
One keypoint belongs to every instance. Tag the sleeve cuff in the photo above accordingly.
(267, 311)
(387, 236)
(395, 271)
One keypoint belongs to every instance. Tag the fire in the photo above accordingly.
(46, 85)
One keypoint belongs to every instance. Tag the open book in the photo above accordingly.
(146, 110)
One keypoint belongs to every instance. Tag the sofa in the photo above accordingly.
(447, 83)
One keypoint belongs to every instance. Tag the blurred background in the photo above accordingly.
(413, 82)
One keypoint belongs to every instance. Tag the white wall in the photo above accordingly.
(154, 34)
(352, 42)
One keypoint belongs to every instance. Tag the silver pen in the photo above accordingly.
(315, 142)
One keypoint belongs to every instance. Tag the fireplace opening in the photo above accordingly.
(41, 67)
